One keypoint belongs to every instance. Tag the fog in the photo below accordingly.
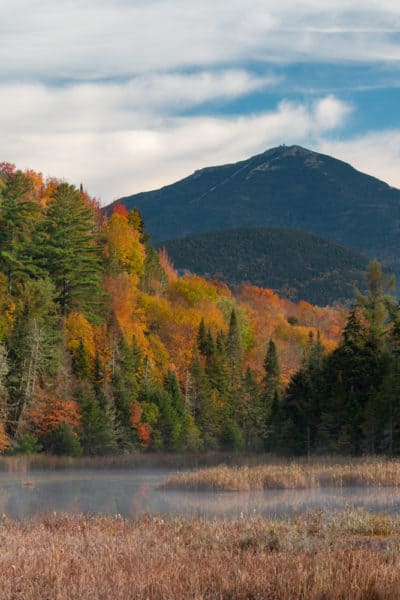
(133, 493)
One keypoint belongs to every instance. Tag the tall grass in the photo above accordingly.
(290, 475)
(27, 463)
(352, 555)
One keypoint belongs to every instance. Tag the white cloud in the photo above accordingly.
(94, 38)
(330, 112)
(121, 161)
(93, 107)
(376, 153)
(90, 90)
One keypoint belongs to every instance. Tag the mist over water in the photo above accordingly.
(133, 493)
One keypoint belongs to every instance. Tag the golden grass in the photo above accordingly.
(346, 556)
(290, 475)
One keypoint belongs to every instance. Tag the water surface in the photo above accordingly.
(134, 492)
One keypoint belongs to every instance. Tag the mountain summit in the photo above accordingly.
(287, 186)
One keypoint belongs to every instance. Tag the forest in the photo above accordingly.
(105, 350)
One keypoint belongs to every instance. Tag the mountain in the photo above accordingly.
(297, 265)
(289, 187)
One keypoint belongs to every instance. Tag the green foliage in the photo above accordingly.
(69, 252)
(17, 220)
(347, 401)
(231, 438)
(287, 186)
(63, 441)
(97, 435)
(296, 264)
(26, 443)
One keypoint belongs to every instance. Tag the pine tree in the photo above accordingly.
(97, 435)
(202, 338)
(68, 249)
(272, 379)
(18, 213)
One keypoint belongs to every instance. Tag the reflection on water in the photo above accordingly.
(133, 493)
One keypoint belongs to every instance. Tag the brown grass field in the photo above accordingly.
(344, 556)
(290, 475)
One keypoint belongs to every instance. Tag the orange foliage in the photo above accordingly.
(4, 440)
(143, 430)
(268, 316)
(49, 411)
(167, 265)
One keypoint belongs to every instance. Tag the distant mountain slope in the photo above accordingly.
(289, 187)
(298, 265)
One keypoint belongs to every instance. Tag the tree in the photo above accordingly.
(374, 304)
(18, 213)
(272, 378)
(68, 248)
(97, 434)
(33, 347)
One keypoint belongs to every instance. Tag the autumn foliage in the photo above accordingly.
(96, 351)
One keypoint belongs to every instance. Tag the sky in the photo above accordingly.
(125, 96)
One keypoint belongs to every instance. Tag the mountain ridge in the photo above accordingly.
(294, 264)
(288, 187)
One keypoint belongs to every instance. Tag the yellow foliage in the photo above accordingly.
(193, 289)
(123, 245)
(78, 330)
(158, 353)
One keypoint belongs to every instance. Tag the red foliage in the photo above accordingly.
(120, 209)
(49, 411)
(144, 434)
(143, 430)
(7, 169)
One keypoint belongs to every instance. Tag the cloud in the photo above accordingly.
(110, 106)
(96, 90)
(376, 153)
(86, 39)
(115, 162)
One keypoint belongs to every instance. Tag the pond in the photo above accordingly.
(133, 493)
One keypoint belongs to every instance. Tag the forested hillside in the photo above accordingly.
(295, 264)
(104, 349)
(289, 187)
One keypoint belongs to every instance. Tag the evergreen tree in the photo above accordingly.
(97, 436)
(68, 249)
(202, 338)
(272, 379)
(18, 213)
(32, 347)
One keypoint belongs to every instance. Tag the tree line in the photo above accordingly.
(103, 349)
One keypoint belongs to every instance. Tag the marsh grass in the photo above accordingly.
(26, 463)
(290, 475)
(351, 555)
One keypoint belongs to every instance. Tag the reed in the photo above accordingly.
(290, 475)
(25, 463)
(315, 557)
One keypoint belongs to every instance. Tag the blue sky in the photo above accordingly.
(129, 95)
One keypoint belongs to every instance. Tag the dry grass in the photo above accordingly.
(26, 463)
(290, 475)
(352, 555)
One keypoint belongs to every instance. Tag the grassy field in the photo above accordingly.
(351, 555)
(290, 475)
